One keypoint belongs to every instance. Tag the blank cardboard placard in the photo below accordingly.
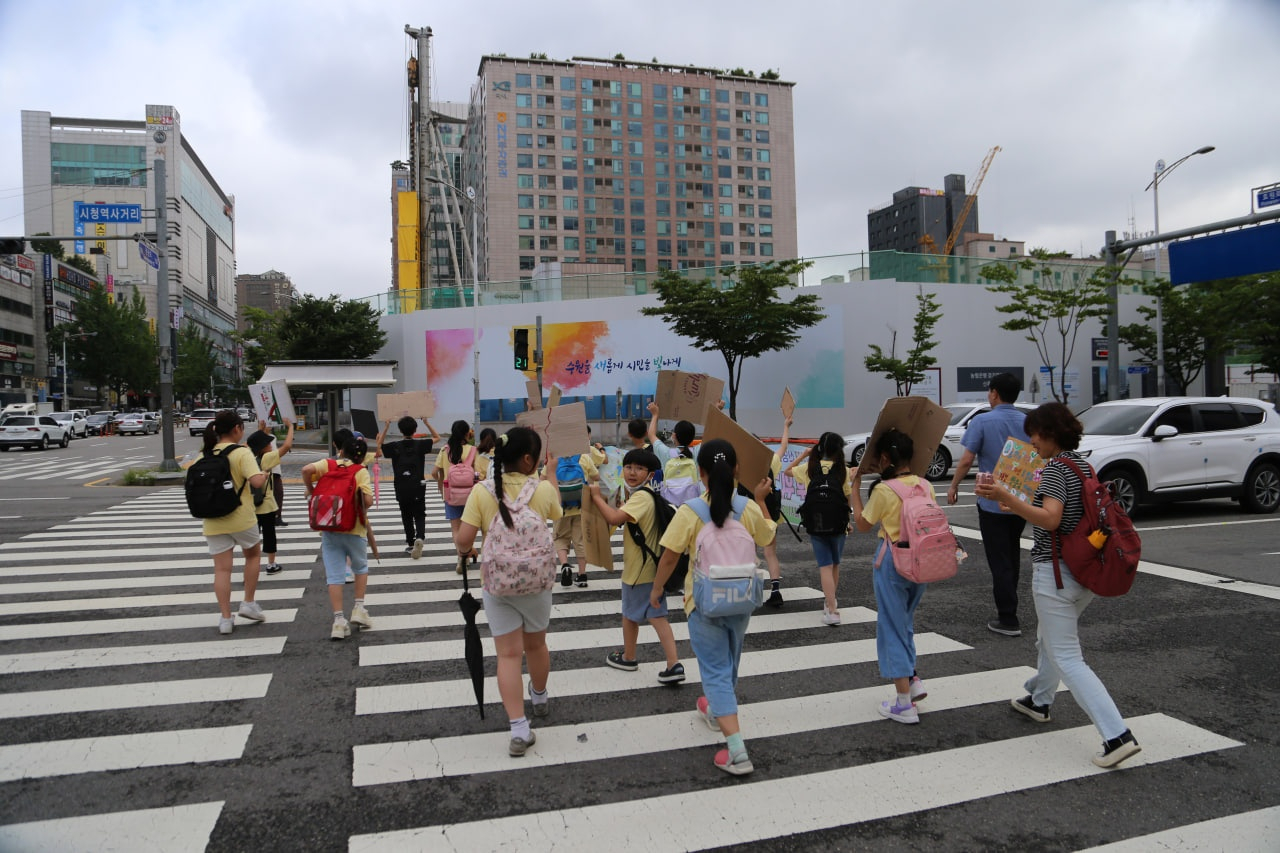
(415, 404)
(687, 396)
(534, 394)
(920, 418)
(754, 459)
(597, 535)
(563, 429)
(1018, 468)
(553, 399)
(788, 403)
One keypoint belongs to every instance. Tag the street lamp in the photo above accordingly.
(1162, 172)
(475, 293)
(65, 398)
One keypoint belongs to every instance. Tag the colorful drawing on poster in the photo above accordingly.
(568, 352)
(448, 355)
(1019, 468)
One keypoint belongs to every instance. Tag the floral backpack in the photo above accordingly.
(520, 559)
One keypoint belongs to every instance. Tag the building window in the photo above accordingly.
(546, 81)
(722, 96)
(524, 221)
(746, 248)
(568, 122)
(570, 222)
(524, 181)
(726, 210)
(637, 207)
(634, 108)
(523, 81)
(569, 182)
(524, 140)
(524, 100)
(664, 228)
(766, 249)
(726, 191)
(726, 248)
(569, 164)
(764, 192)
(524, 161)
(747, 211)
(546, 202)
(566, 84)
(660, 111)
(660, 91)
(661, 149)
(766, 211)
(524, 202)
(762, 118)
(766, 230)
(526, 262)
(637, 246)
(568, 103)
(762, 155)
(677, 93)
(568, 143)
(547, 244)
(762, 99)
(746, 229)
(726, 229)
(664, 247)
(525, 243)
(524, 120)
(764, 173)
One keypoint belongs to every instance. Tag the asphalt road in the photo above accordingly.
(305, 755)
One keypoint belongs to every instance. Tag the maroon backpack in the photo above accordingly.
(1103, 550)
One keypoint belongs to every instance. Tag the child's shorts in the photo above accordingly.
(568, 531)
(506, 613)
(635, 603)
(451, 512)
(245, 539)
(337, 549)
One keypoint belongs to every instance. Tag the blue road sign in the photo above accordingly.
(149, 255)
(108, 212)
(1139, 368)
(1268, 197)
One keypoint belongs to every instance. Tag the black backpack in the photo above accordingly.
(211, 492)
(408, 460)
(663, 512)
(825, 511)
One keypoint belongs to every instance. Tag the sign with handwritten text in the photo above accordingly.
(1018, 469)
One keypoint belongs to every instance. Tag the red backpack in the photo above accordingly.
(1103, 550)
(335, 505)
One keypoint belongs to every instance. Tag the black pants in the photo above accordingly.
(1000, 534)
(267, 526)
(277, 489)
(413, 512)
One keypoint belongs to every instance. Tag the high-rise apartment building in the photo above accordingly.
(632, 166)
(271, 291)
(916, 213)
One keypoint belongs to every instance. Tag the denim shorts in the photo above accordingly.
(635, 603)
(336, 549)
(827, 549)
(507, 613)
(451, 512)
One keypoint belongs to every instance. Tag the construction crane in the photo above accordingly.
(969, 199)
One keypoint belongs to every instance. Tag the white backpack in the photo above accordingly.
(520, 559)
(927, 550)
(726, 580)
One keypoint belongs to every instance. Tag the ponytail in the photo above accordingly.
(684, 433)
(829, 449)
(513, 446)
(210, 438)
(457, 439)
(223, 424)
(719, 461)
(899, 447)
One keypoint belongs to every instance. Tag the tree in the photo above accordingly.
(330, 328)
(769, 74)
(261, 340)
(744, 321)
(1260, 331)
(121, 354)
(1053, 303)
(82, 264)
(48, 247)
(196, 362)
(909, 371)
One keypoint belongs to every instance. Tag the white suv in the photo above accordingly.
(1163, 449)
(199, 419)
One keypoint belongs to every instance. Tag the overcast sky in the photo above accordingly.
(298, 108)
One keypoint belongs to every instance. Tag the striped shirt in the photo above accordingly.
(1058, 481)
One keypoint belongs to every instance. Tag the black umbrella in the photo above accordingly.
(474, 652)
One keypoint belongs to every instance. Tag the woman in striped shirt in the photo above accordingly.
(1057, 508)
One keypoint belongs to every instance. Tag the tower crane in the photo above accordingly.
(969, 199)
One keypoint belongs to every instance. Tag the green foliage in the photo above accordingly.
(1050, 309)
(139, 477)
(81, 264)
(537, 56)
(122, 353)
(196, 362)
(261, 341)
(769, 74)
(49, 247)
(1261, 332)
(909, 371)
(743, 321)
(619, 57)
(330, 328)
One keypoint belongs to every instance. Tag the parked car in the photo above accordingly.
(96, 424)
(142, 424)
(199, 419)
(1162, 449)
(38, 431)
(74, 421)
(949, 450)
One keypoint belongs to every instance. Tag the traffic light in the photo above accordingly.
(521, 348)
(12, 246)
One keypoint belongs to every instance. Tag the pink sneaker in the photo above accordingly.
(741, 767)
(704, 712)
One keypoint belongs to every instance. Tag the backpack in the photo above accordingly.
(210, 490)
(927, 550)
(663, 512)
(680, 480)
(408, 460)
(521, 559)
(335, 504)
(570, 476)
(726, 581)
(826, 510)
(460, 479)
(1103, 550)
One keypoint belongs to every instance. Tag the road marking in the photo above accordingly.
(176, 829)
(1210, 524)
(121, 752)
(407, 761)
(17, 571)
(563, 640)
(433, 695)
(132, 582)
(24, 500)
(129, 602)
(134, 655)
(813, 801)
(87, 627)
(1255, 830)
(424, 596)
(145, 694)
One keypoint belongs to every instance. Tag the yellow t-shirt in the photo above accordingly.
(481, 461)
(268, 461)
(482, 507)
(243, 466)
(637, 567)
(364, 483)
(801, 475)
(885, 508)
(682, 537)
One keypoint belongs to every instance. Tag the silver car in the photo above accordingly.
(143, 424)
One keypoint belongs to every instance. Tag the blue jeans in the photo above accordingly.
(1060, 658)
(335, 548)
(717, 643)
(827, 549)
(896, 601)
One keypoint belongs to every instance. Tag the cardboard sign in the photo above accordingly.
(271, 402)
(415, 404)
(534, 393)
(553, 399)
(754, 459)
(597, 535)
(687, 396)
(1018, 469)
(563, 429)
(922, 419)
(788, 403)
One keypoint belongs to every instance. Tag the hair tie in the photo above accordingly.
(502, 439)
(719, 457)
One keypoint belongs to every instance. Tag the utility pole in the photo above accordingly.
(164, 322)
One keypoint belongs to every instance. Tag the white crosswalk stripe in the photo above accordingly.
(128, 590)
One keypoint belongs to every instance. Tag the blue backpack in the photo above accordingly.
(570, 476)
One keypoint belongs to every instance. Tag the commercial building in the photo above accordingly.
(70, 162)
(634, 167)
(918, 217)
(270, 291)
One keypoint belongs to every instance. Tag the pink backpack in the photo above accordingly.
(726, 581)
(926, 550)
(520, 559)
(460, 479)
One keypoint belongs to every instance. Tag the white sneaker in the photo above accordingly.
(917, 688)
(252, 610)
(360, 617)
(226, 625)
(341, 630)
(351, 576)
(416, 553)
(829, 618)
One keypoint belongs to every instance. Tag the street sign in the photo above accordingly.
(1139, 369)
(149, 255)
(107, 212)
(1268, 196)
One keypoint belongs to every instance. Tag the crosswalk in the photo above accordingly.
(77, 461)
(112, 678)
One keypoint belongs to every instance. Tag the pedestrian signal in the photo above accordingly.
(521, 349)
